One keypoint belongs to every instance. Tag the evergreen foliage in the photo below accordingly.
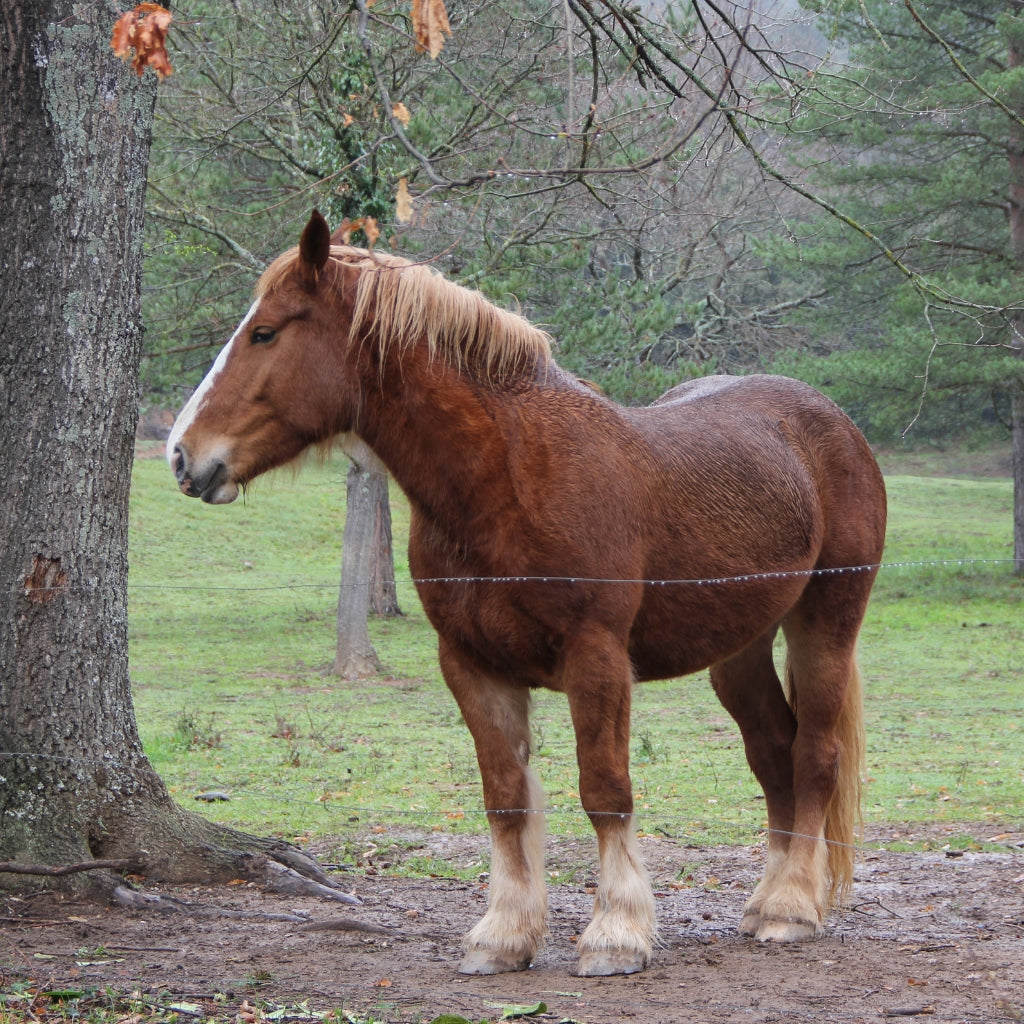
(911, 146)
(623, 216)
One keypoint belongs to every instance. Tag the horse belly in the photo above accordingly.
(685, 627)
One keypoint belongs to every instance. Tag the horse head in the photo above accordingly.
(278, 385)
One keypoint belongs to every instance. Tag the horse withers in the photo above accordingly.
(562, 541)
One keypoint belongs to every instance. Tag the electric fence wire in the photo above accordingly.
(675, 827)
(358, 811)
(752, 577)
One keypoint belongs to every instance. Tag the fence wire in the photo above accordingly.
(753, 577)
(679, 826)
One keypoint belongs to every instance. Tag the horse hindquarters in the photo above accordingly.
(511, 933)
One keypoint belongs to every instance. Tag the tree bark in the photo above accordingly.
(383, 593)
(75, 784)
(1017, 407)
(1015, 59)
(355, 656)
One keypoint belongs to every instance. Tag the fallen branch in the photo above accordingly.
(136, 900)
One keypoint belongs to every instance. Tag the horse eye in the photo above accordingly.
(262, 335)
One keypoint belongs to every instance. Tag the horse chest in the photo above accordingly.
(508, 625)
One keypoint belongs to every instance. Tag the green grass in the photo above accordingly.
(232, 632)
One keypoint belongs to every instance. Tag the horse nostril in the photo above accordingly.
(178, 463)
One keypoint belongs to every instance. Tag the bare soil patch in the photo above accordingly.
(928, 935)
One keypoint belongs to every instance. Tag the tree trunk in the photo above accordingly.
(74, 145)
(354, 654)
(1015, 59)
(383, 593)
(1018, 473)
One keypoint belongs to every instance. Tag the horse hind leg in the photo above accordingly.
(750, 690)
(827, 756)
(511, 932)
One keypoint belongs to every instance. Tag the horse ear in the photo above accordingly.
(314, 248)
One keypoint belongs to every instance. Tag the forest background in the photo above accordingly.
(825, 190)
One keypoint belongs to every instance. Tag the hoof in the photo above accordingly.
(489, 961)
(785, 931)
(604, 962)
(750, 924)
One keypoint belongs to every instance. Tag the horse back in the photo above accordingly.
(766, 471)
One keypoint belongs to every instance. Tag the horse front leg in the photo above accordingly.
(623, 928)
(497, 713)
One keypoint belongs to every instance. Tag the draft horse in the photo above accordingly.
(562, 541)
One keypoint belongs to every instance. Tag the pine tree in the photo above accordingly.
(920, 137)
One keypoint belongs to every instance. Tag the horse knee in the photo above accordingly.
(606, 798)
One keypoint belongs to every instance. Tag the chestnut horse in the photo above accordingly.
(562, 541)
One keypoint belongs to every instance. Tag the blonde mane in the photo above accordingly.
(398, 302)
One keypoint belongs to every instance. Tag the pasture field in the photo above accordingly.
(232, 632)
(232, 628)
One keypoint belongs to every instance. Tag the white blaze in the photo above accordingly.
(187, 415)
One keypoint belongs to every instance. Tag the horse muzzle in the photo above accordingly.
(209, 480)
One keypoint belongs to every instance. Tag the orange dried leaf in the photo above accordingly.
(403, 202)
(371, 231)
(144, 30)
(345, 229)
(430, 24)
(401, 113)
(124, 34)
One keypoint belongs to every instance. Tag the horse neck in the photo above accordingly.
(437, 431)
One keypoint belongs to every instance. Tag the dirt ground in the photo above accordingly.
(930, 935)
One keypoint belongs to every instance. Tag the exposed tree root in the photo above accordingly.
(13, 868)
(161, 841)
(136, 900)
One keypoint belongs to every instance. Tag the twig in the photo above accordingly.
(28, 922)
(857, 908)
(143, 949)
(17, 949)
